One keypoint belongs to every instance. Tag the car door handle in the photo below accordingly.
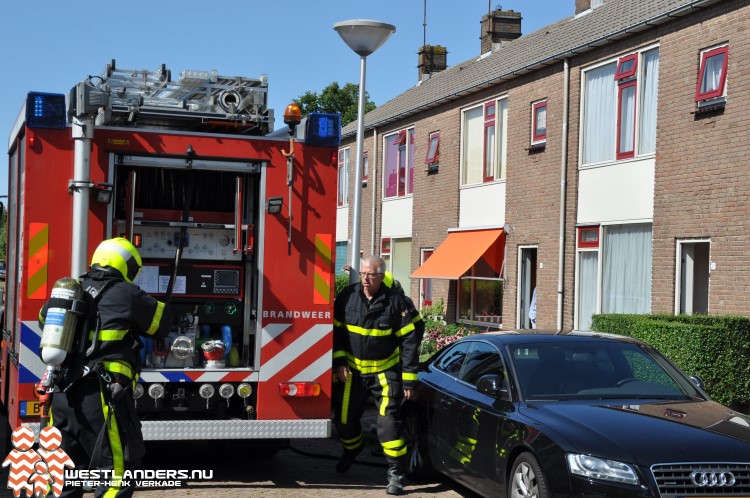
(446, 403)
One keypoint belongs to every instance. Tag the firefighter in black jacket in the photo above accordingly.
(93, 407)
(375, 352)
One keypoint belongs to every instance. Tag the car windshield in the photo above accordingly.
(596, 370)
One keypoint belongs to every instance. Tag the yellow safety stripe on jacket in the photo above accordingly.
(109, 335)
(337, 323)
(394, 448)
(385, 394)
(157, 318)
(115, 445)
(408, 376)
(119, 367)
(339, 354)
(369, 332)
(374, 366)
(406, 330)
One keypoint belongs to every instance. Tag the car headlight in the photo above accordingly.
(599, 468)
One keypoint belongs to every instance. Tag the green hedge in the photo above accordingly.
(341, 282)
(715, 348)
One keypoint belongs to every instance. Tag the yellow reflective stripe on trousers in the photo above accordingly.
(157, 318)
(368, 332)
(345, 400)
(394, 448)
(352, 444)
(385, 394)
(109, 335)
(115, 444)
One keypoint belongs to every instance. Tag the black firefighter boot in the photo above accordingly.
(396, 474)
(347, 459)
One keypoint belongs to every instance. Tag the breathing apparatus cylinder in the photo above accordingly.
(61, 322)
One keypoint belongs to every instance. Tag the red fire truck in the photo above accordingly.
(235, 225)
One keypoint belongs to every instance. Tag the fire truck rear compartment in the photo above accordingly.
(184, 223)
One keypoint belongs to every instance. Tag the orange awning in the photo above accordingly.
(460, 251)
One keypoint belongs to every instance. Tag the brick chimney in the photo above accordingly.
(432, 59)
(499, 26)
(584, 5)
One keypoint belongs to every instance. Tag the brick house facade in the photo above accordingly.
(650, 179)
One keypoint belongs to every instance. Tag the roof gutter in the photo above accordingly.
(599, 42)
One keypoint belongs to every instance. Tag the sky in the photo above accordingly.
(50, 45)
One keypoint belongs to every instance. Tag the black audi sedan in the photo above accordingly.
(581, 414)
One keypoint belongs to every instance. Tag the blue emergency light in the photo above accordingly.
(323, 129)
(45, 110)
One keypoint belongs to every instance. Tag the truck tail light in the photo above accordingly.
(299, 389)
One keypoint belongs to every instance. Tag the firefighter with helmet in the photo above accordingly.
(93, 404)
(375, 352)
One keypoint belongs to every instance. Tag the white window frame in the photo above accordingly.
(342, 195)
(587, 248)
(603, 254)
(541, 138)
(365, 167)
(616, 149)
(496, 150)
(719, 93)
(405, 155)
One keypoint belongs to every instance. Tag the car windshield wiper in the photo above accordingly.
(669, 397)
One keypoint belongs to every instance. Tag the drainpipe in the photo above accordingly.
(563, 192)
(374, 184)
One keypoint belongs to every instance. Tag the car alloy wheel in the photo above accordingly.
(527, 479)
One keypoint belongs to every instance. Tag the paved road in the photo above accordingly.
(306, 469)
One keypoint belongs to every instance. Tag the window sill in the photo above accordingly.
(533, 148)
(712, 105)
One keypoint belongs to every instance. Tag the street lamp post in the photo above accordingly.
(364, 37)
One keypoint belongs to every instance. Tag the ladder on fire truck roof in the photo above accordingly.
(198, 100)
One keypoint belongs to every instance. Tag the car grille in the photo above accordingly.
(702, 479)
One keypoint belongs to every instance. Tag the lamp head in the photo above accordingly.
(364, 36)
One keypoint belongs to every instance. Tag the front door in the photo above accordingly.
(526, 285)
(694, 276)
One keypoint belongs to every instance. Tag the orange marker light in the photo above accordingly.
(292, 115)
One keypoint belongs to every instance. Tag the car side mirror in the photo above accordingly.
(697, 382)
(493, 385)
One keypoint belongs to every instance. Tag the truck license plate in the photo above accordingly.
(30, 408)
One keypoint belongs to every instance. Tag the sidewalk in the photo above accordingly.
(306, 469)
